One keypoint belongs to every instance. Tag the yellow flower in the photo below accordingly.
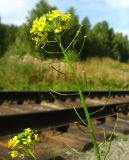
(13, 142)
(67, 17)
(56, 13)
(27, 141)
(36, 137)
(14, 154)
(58, 30)
(22, 141)
(53, 22)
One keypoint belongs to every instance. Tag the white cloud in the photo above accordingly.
(15, 11)
(12, 6)
(118, 4)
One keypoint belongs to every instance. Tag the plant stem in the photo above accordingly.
(90, 125)
(31, 154)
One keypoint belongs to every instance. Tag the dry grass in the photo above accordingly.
(31, 73)
(100, 73)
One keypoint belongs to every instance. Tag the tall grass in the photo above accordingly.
(30, 73)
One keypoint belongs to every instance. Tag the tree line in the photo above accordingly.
(101, 40)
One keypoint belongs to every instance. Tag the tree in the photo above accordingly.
(2, 37)
(42, 7)
(23, 36)
(69, 34)
(85, 30)
(22, 46)
(7, 36)
(102, 36)
(121, 47)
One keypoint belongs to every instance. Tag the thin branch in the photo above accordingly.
(79, 116)
(103, 106)
(59, 70)
(78, 126)
(76, 35)
(63, 94)
(51, 52)
(86, 84)
(82, 45)
(110, 138)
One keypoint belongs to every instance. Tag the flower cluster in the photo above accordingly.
(22, 141)
(52, 22)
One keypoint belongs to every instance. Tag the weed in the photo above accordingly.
(21, 145)
(56, 22)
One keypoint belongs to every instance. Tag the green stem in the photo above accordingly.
(31, 154)
(90, 125)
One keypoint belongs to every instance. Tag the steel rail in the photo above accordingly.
(51, 96)
(48, 119)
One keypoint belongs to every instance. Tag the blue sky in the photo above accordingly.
(116, 12)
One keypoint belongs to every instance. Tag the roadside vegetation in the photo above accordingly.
(31, 73)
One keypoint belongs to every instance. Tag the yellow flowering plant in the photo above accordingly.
(21, 144)
(52, 22)
(55, 22)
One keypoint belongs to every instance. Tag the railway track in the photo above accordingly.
(19, 110)
(21, 96)
(57, 117)
(63, 145)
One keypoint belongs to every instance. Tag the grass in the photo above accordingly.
(29, 73)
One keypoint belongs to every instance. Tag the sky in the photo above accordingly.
(115, 12)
